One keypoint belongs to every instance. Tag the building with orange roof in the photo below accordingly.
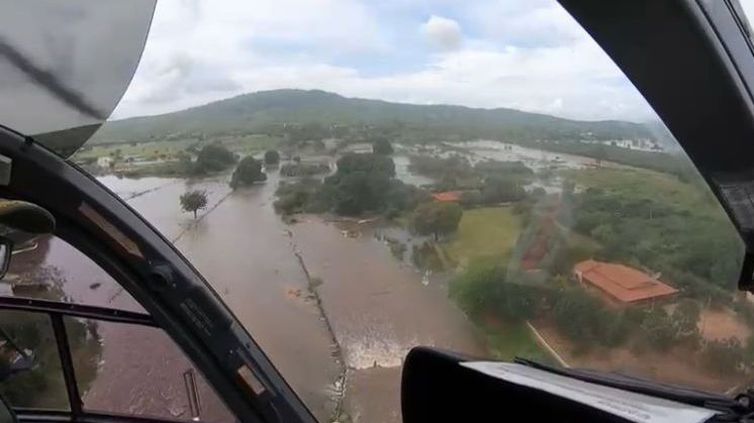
(621, 283)
(448, 196)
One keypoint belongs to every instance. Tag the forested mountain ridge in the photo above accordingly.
(260, 111)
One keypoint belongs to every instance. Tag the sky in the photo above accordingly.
(524, 54)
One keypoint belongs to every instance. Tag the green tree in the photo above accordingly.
(298, 196)
(213, 158)
(304, 169)
(366, 163)
(436, 218)
(271, 157)
(498, 189)
(587, 321)
(574, 313)
(360, 184)
(471, 198)
(475, 290)
(380, 145)
(485, 290)
(193, 201)
(248, 171)
(358, 192)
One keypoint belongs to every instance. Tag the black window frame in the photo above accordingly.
(157, 276)
(56, 312)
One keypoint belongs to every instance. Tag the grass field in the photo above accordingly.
(484, 234)
(146, 149)
(245, 144)
(507, 341)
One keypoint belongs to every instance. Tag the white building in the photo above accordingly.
(104, 161)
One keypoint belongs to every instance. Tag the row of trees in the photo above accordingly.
(215, 158)
(304, 169)
(487, 182)
(363, 183)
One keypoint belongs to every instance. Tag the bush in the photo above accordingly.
(475, 290)
(271, 157)
(724, 356)
(657, 329)
(297, 197)
(304, 169)
(488, 290)
(382, 146)
(213, 158)
(362, 183)
(586, 321)
(248, 171)
(471, 198)
(496, 189)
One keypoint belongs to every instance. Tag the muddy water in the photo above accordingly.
(162, 209)
(373, 307)
(403, 172)
(246, 253)
(379, 310)
(242, 248)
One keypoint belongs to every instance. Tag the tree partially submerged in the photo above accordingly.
(271, 157)
(436, 218)
(248, 171)
(380, 145)
(363, 183)
(193, 201)
(213, 158)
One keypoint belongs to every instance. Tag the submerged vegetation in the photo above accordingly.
(363, 183)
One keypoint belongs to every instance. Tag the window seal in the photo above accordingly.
(76, 310)
(75, 402)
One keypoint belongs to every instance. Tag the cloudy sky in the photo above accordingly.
(524, 54)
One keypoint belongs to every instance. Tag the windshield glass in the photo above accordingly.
(357, 178)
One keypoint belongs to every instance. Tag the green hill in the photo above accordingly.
(261, 111)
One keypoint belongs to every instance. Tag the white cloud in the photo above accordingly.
(526, 22)
(200, 52)
(442, 33)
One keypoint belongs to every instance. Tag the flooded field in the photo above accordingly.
(330, 304)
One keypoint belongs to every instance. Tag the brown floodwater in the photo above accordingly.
(379, 309)
(344, 354)
(246, 253)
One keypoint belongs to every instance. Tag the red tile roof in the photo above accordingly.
(448, 196)
(621, 282)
